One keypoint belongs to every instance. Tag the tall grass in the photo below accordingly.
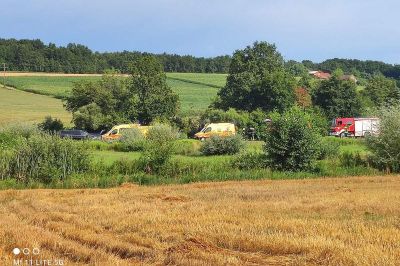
(31, 155)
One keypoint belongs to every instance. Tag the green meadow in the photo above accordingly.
(20, 106)
(195, 90)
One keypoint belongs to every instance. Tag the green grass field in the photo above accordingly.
(194, 98)
(20, 106)
(217, 80)
(52, 86)
(195, 90)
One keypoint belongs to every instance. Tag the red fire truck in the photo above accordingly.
(354, 127)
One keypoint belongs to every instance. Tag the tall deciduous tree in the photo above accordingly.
(337, 98)
(99, 104)
(151, 96)
(381, 90)
(257, 79)
(142, 98)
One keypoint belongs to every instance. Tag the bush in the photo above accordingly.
(133, 140)
(155, 155)
(329, 148)
(349, 160)
(319, 121)
(250, 160)
(51, 125)
(385, 147)
(222, 145)
(292, 144)
(158, 148)
(188, 125)
(162, 133)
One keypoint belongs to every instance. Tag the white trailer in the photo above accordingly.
(366, 126)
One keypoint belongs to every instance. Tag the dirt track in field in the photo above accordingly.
(335, 221)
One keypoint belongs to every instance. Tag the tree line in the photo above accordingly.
(362, 69)
(35, 56)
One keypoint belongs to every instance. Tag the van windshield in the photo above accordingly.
(206, 129)
(110, 132)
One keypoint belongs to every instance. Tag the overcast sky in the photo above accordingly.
(301, 29)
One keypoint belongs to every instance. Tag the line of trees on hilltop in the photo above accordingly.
(34, 55)
(362, 69)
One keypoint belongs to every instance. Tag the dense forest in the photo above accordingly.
(34, 55)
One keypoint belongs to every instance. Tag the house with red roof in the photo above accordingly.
(320, 74)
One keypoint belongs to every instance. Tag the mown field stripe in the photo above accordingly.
(196, 82)
(60, 97)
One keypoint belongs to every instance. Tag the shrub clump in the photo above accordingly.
(162, 133)
(158, 148)
(133, 140)
(292, 144)
(217, 145)
(329, 148)
(385, 147)
(51, 125)
(349, 160)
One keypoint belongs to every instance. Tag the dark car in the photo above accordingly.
(74, 134)
(79, 134)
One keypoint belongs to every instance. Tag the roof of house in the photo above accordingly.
(322, 75)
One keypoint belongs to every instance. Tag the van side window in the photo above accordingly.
(207, 130)
(115, 131)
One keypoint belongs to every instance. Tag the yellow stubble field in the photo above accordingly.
(332, 221)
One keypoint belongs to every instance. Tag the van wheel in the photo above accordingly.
(202, 139)
(341, 135)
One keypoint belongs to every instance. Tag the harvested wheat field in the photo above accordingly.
(347, 221)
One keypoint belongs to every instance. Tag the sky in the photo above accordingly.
(301, 29)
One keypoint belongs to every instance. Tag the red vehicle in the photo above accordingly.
(354, 127)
